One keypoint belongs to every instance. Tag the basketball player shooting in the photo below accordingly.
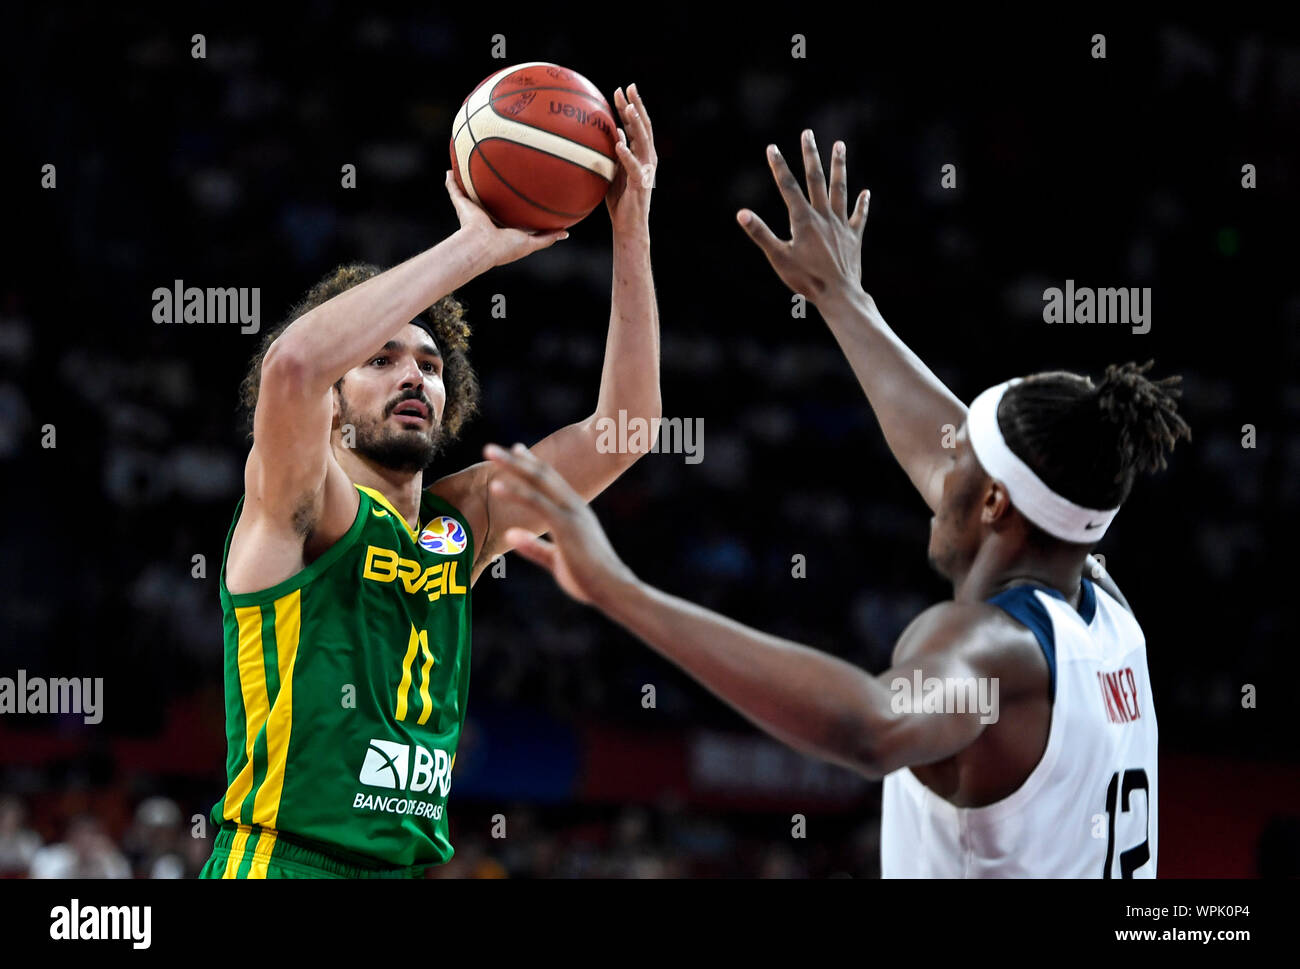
(345, 584)
(1058, 776)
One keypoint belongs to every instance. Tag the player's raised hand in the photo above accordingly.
(505, 244)
(823, 256)
(579, 555)
(628, 198)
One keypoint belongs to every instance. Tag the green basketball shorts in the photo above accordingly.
(242, 851)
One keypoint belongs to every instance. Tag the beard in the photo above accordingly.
(406, 449)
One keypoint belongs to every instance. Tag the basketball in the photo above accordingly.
(534, 145)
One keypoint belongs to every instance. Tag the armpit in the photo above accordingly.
(305, 517)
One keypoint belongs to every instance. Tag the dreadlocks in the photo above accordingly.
(1088, 442)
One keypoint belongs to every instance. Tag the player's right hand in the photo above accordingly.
(823, 257)
(503, 244)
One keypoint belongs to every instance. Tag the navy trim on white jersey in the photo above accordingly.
(1021, 605)
(1087, 601)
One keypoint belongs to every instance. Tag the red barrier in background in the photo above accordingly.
(1213, 810)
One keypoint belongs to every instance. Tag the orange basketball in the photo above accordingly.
(534, 145)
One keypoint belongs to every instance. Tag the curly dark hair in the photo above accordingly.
(447, 317)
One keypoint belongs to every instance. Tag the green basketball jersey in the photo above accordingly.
(346, 687)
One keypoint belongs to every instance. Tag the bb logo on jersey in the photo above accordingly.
(443, 536)
(387, 763)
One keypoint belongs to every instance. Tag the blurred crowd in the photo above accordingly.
(654, 841)
(155, 845)
(662, 839)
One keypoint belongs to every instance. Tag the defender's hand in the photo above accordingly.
(504, 245)
(579, 555)
(823, 256)
(628, 198)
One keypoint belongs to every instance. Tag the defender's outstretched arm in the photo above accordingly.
(811, 701)
(823, 261)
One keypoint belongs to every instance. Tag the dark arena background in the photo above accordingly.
(130, 163)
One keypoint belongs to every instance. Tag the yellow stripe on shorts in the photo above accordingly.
(236, 852)
(262, 854)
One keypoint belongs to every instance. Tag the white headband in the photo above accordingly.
(1059, 517)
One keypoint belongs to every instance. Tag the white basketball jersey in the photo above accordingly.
(1089, 808)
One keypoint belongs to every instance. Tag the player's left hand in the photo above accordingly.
(628, 198)
(579, 555)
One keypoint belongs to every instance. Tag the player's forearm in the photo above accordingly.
(338, 335)
(910, 402)
(807, 699)
(629, 379)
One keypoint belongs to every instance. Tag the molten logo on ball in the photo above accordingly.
(582, 117)
(531, 163)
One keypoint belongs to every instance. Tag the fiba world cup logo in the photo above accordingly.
(443, 536)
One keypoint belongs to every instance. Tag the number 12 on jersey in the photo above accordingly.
(1134, 858)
